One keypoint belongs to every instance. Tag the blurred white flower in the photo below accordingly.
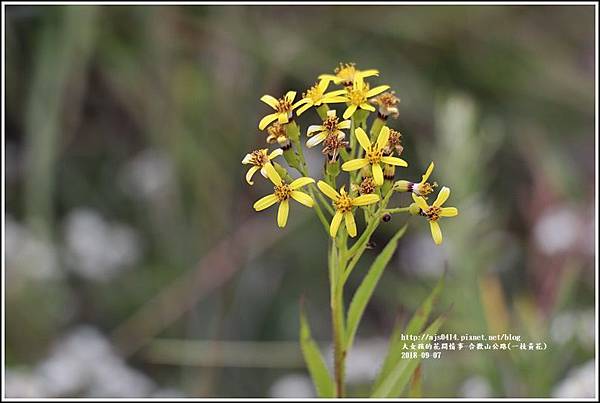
(293, 385)
(475, 387)
(148, 174)
(21, 383)
(578, 325)
(363, 361)
(28, 255)
(580, 382)
(557, 230)
(428, 265)
(84, 363)
(98, 250)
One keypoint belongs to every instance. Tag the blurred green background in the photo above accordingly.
(135, 265)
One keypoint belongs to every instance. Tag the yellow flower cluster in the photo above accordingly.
(367, 157)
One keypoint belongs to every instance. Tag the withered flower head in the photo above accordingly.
(387, 104)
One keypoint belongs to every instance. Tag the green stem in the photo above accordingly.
(337, 314)
(397, 210)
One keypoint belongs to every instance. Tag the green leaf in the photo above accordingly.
(314, 360)
(393, 384)
(365, 290)
(415, 325)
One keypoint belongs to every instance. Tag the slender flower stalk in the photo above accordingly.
(373, 155)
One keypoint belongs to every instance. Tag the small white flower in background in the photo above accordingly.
(148, 174)
(96, 249)
(579, 325)
(426, 265)
(293, 385)
(364, 359)
(557, 230)
(476, 387)
(20, 383)
(580, 382)
(27, 255)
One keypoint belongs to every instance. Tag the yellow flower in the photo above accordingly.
(422, 188)
(435, 211)
(343, 207)
(331, 126)
(283, 106)
(374, 155)
(316, 96)
(277, 133)
(346, 73)
(260, 159)
(357, 96)
(282, 193)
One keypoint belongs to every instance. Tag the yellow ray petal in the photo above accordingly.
(303, 108)
(269, 100)
(332, 100)
(290, 95)
(394, 161)
(355, 164)
(377, 174)
(368, 73)
(377, 90)
(273, 175)
(264, 122)
(420, 202)
(335, 93)
(344, 124)
(282, 213)
(442, 196)
(328, 190)
(275, 153)
(247, 158)
(449, 212)
(367, 107)
(350, 224)
(265, 202)
(335, 223)
(282, 118)
(312, 129)
(319, 138)
(330, 77)
(363, 139)
(303, 181)
(428, 172)
(436, 232)
(302, 197)
(250, 173)
(365, 200)
(323, 84)
(383, 137)
(349, 111)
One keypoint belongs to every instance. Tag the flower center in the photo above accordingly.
(346, 72)
(357, 96)
(332, 144)
(343, 204)
(277, 133)
(424, 189)
(283, 191)
(331, 124)
(367, 186)
(374, 156)
(284, 106)
(433, 213)
(313, 93)
(259, 158)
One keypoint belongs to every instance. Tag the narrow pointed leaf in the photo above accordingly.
(365, 290)
(314, 360)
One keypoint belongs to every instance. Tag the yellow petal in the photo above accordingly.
(282, 118)
(314, 128)
(394, 161)
(436, 232)
(368, 73)
(442, 196)
(328, 190)
(344, 124)
(303, 108)
(273, 175)
(427, 173)
(247, 159)
(377, 174)
(383, 137)
(367, 107)
(269, 100)
(318, 139)
(264, 122)
(335, 223)
(350, 224)
(323, 84)
(330, 77)
(335, 93)
(350, 111)
(290, 95)
(265, 202)
(333, 100)
(355, 164)
(449, 212)
(420, 202)
(275, 153)
(250, 173)
(365, 200)
(302, 197)
(303, 181)
(377, 90)
(282, 213)
(363, 139)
